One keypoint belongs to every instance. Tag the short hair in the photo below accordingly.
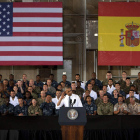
(64, 75)
(0, 75)
(5, 80)
(12, 91)
(89, 83)
(87, 90)
(105, 95)
(30, 86)
(120, 96)
(88, 96)
(124, 72)
(127, 78)
(110, 79)
(59, 85)
(78, 81)
(62, 82)
(73, 83)
(77, 75)
(58, 90)
(115, 90)
(117, 83)
(15, 86)
(24, 74)
(92, 79)
(105, 86)
(138, 72)
(132, 86)
(28, 92)
(133, 97)
(48, 95)
(20, 98)
(52, 74)
(38, 75)
(131, 90)
(45, 85)
(34, 99)
(11, 75)
(108, 71)
(94, 72)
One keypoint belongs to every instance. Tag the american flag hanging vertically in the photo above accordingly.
(31, 33)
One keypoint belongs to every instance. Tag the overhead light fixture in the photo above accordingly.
(96, 34)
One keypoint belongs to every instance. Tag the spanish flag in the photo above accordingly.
(119, 33)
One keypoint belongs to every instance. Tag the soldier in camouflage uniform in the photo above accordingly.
(90, 107)
(34, 95)
(50, 88)
(126, 88)
(21, 109)
(108, 76)
(100, 98)
(133, 107)
(42, 99)
(34, 109)
(137, 83)
(120, 108)
(131, 93)
(48, 107)
(7, 109)
(105, 108)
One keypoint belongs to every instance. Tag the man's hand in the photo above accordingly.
(36, 113)
(21, 114)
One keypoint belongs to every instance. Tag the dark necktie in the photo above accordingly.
(69, 102)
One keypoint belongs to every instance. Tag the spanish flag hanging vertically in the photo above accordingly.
(118, 33)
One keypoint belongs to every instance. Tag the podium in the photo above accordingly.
(72, 121)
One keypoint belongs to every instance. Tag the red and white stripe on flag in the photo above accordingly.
(37, 37)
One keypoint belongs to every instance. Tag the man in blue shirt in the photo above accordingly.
(38, 82)
(67, 83)
(54, 83)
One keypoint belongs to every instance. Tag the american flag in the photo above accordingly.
(31, 33)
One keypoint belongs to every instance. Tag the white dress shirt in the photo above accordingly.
(110, 90)
(65, 101)
(82, 85)
(14, 102)
(55, 100)
(93, 94)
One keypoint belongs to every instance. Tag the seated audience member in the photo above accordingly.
(25, 81)
(120, 108)
(77, 78)
(137, 83)
(59, 87)
(100, 98)
(110, 87)
(105, 108)
(93, 94)
(79, 90)
(11, 85)
(132, 87)
(50, 88)
(56, 99)
(94, 87)
(36, 89)
(34, 109)
(105, 92)
(21, 109)
(108, 76)
(131, 93)
(126, 88)
(64, 79)
(7, 108)
(63, 86)
(6, 87)
(18, 94)
(27, 98)
(45, 89)
(97, 82)
(122, 81)
(13, 99)
(54, 83)
(118, 88)
(42, 98)
(48, 107)
(38, 82)
(20, 87)
(114, 99)
(34, 95)
(2, 100)
(69, 99)
(133, 107)
(73, 87)
(11, 78)
(90, 107)
(83, 99)
(1, 79)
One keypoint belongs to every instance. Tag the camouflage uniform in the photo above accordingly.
(52, 90)
(126, 89)
(122, 83)
(33, 109)
(4, 108)
(98, 101)
(90, 108)
(105, 109)
(134, 109)
(137, 84)
(79, 91)
(105, 82)
(117, 106)
(96, 88)
(34, 95)
(23, 109)
(2, 101)
(48, 108)
(127, 101)
(40, 101)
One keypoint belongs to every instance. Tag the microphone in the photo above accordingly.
(73, 102)
(70, 101)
